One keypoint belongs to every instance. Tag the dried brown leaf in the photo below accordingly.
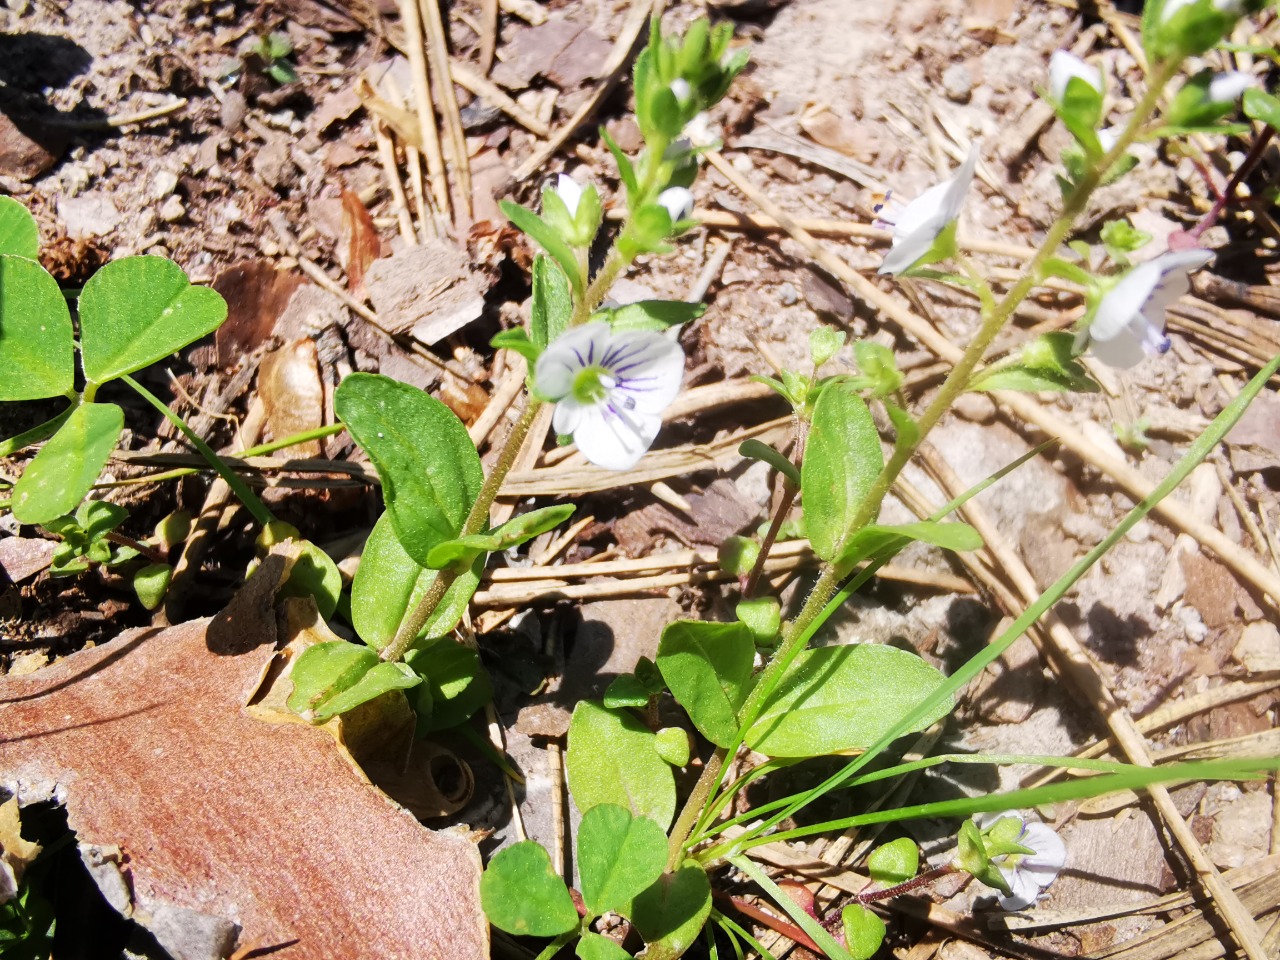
(229, 828)
(256, 294)
(293, 394)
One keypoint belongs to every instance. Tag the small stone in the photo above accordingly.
(976, 407)
(788, 295)
(22, 155)
(742, 163)
(172, 210)
(234, 108)
(1259, 647)
(957, 84)
(165, 182)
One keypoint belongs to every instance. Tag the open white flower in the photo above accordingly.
(1129, 323)
(1027, 873)
(1064, 65)
(678, 201)
(918, 224)
(570, 192)
(1227, 87)
(610, 389)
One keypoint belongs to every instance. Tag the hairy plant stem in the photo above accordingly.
(615, 264)
(995, 316)
(146, 550)
(693, 807)
(915, 883)
(477, 520)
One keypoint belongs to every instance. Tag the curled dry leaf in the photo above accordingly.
(360, 241)
(293, 394)
(256, 294)
(229, 829)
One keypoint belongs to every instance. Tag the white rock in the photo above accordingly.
(172, 210)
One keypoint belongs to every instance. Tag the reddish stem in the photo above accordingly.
(788, 930)
(1228, 195)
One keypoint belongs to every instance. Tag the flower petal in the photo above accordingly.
(1050, 852)
(1064, 65)
(1227, 87)
(570, 192)
(1123, 301)
(920, 222)
(648, 368)
(567, 417)
(678, 201)
(615, 439)
(571, 352)
(1024, 890)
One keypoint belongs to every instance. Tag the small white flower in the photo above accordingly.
(1027, 873)
(1063, 66)
(1227, 87)
(917, 225)
(678, 201)
(610, 389)
(1129, 323)
(570, 192)
(680, 87)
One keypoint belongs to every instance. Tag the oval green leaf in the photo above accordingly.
(431, 473)
(315, 575)
(618, 856)
(37, 348)
(63, 472)
(389, 582)
(334, 677)
(514, 532)
(870, 541)
(138, 310)
(843, 698)
(707, 667)
(894, 862)
(671, 912)
(841, 461)
(19, 235)
(612, 759)
(594, 946)
(863, 931)
(521, 894)
(454, 681)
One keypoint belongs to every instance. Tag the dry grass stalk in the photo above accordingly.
(416, 52)
(446, 97)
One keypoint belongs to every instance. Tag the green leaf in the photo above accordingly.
(626, 170)
(552, 307)
(878, 364)
(619, 856)
(63, 472)
(671, 912)
(1260, 105)
(19, 235)
(824, 343)
(431, 473)
(315, 575)
(673, 746)
(737, 555)
(594, 946)
(1120, 237)
(138, 310)
(37, 349)
(841, 462)
(843, 698)
(1046, 363)
(894, 862)
(763, 617)
(517, 530)
(758, 450)
(150, 584)
(98, 517)
(1080, 112)
(611, 759)
(873, 540)
(906, 430)
(863, 931)
(707, 667)
(517, 340)
(521, 894)
(653, 314)
(389, 583)
(539, 231)
(626, 690)
(455, 681)
(334, 677)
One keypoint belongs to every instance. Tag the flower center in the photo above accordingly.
(592, 384)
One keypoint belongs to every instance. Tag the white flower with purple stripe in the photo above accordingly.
(918, 224)
(610, 388)
(1027, 873)
(1129, 322)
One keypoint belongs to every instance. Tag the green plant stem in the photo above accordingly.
(615, 264)
(796, 633)
(554, 947)
(146, 550)
(477, 519)
(250, 499)
(693, 807)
